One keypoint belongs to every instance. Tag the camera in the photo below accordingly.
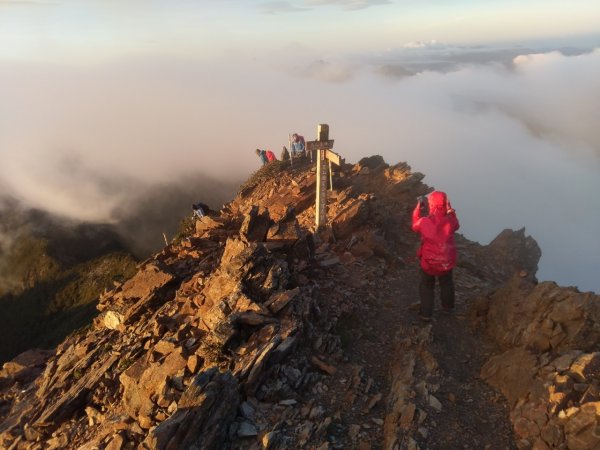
(423, 205)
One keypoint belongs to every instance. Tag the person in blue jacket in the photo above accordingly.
(298, 145)
(262, 155)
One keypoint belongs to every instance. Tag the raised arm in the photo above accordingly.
(416, 217)
(453, 219)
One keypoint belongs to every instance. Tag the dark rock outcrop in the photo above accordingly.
(550, 369)
(204, 412)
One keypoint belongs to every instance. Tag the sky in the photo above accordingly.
(494, 101)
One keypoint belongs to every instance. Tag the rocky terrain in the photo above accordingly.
(253, 331)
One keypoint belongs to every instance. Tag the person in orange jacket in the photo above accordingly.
(437, 253)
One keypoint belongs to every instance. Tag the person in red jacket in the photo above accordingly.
(270, 156)
(437, 253)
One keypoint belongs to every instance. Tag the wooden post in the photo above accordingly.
(321, 203)
(325, 157)
(323, 132)
(330, 176)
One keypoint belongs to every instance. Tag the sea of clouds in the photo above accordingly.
(509, 133)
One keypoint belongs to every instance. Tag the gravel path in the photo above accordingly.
(453, 407)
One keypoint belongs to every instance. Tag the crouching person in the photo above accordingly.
(200, 210)
(437, 253)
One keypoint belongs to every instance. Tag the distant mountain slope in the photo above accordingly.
(52, 270)
(51, 274)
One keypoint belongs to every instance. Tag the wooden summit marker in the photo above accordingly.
(325, 156)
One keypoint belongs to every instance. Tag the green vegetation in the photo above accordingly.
(124, 364)
(85, 282)
(45, 295)
(186, 229)
(26, 264)
(211, 352)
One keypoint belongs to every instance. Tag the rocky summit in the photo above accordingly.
(251, 331)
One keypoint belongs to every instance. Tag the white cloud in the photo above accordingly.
(416, 57)
(331, 71)
(279, 7)
(348, 4)
(26, 3)
(276, 7)
(509, 80)
(422, 44)
(514, 145)
(553, 95)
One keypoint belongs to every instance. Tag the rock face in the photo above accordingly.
(550, 369)
(203, 414)
(231, 337)
(544, 317)
(511, 252)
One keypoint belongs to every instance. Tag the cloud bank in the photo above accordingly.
(348, 4)
(513, 143)
(278, 7)
(551, 93)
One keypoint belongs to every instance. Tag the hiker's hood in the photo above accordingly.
(438, 203)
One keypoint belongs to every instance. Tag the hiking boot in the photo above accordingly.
(424, 318)
(447, 311)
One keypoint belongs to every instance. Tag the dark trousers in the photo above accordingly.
(427, 292)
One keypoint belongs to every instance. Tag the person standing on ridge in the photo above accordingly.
(437, 253)
(285, 155)
(298, 145)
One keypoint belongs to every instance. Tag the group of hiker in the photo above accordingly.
(266, 156)
(434, 219)
(436, 222)
(297, 149)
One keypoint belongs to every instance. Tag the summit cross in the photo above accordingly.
(325, 157)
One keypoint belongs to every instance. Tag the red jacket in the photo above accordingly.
(438, 251)
(271, 156)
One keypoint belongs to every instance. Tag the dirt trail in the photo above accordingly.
(427, 376)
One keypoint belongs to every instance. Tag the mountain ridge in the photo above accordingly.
(250, 330)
